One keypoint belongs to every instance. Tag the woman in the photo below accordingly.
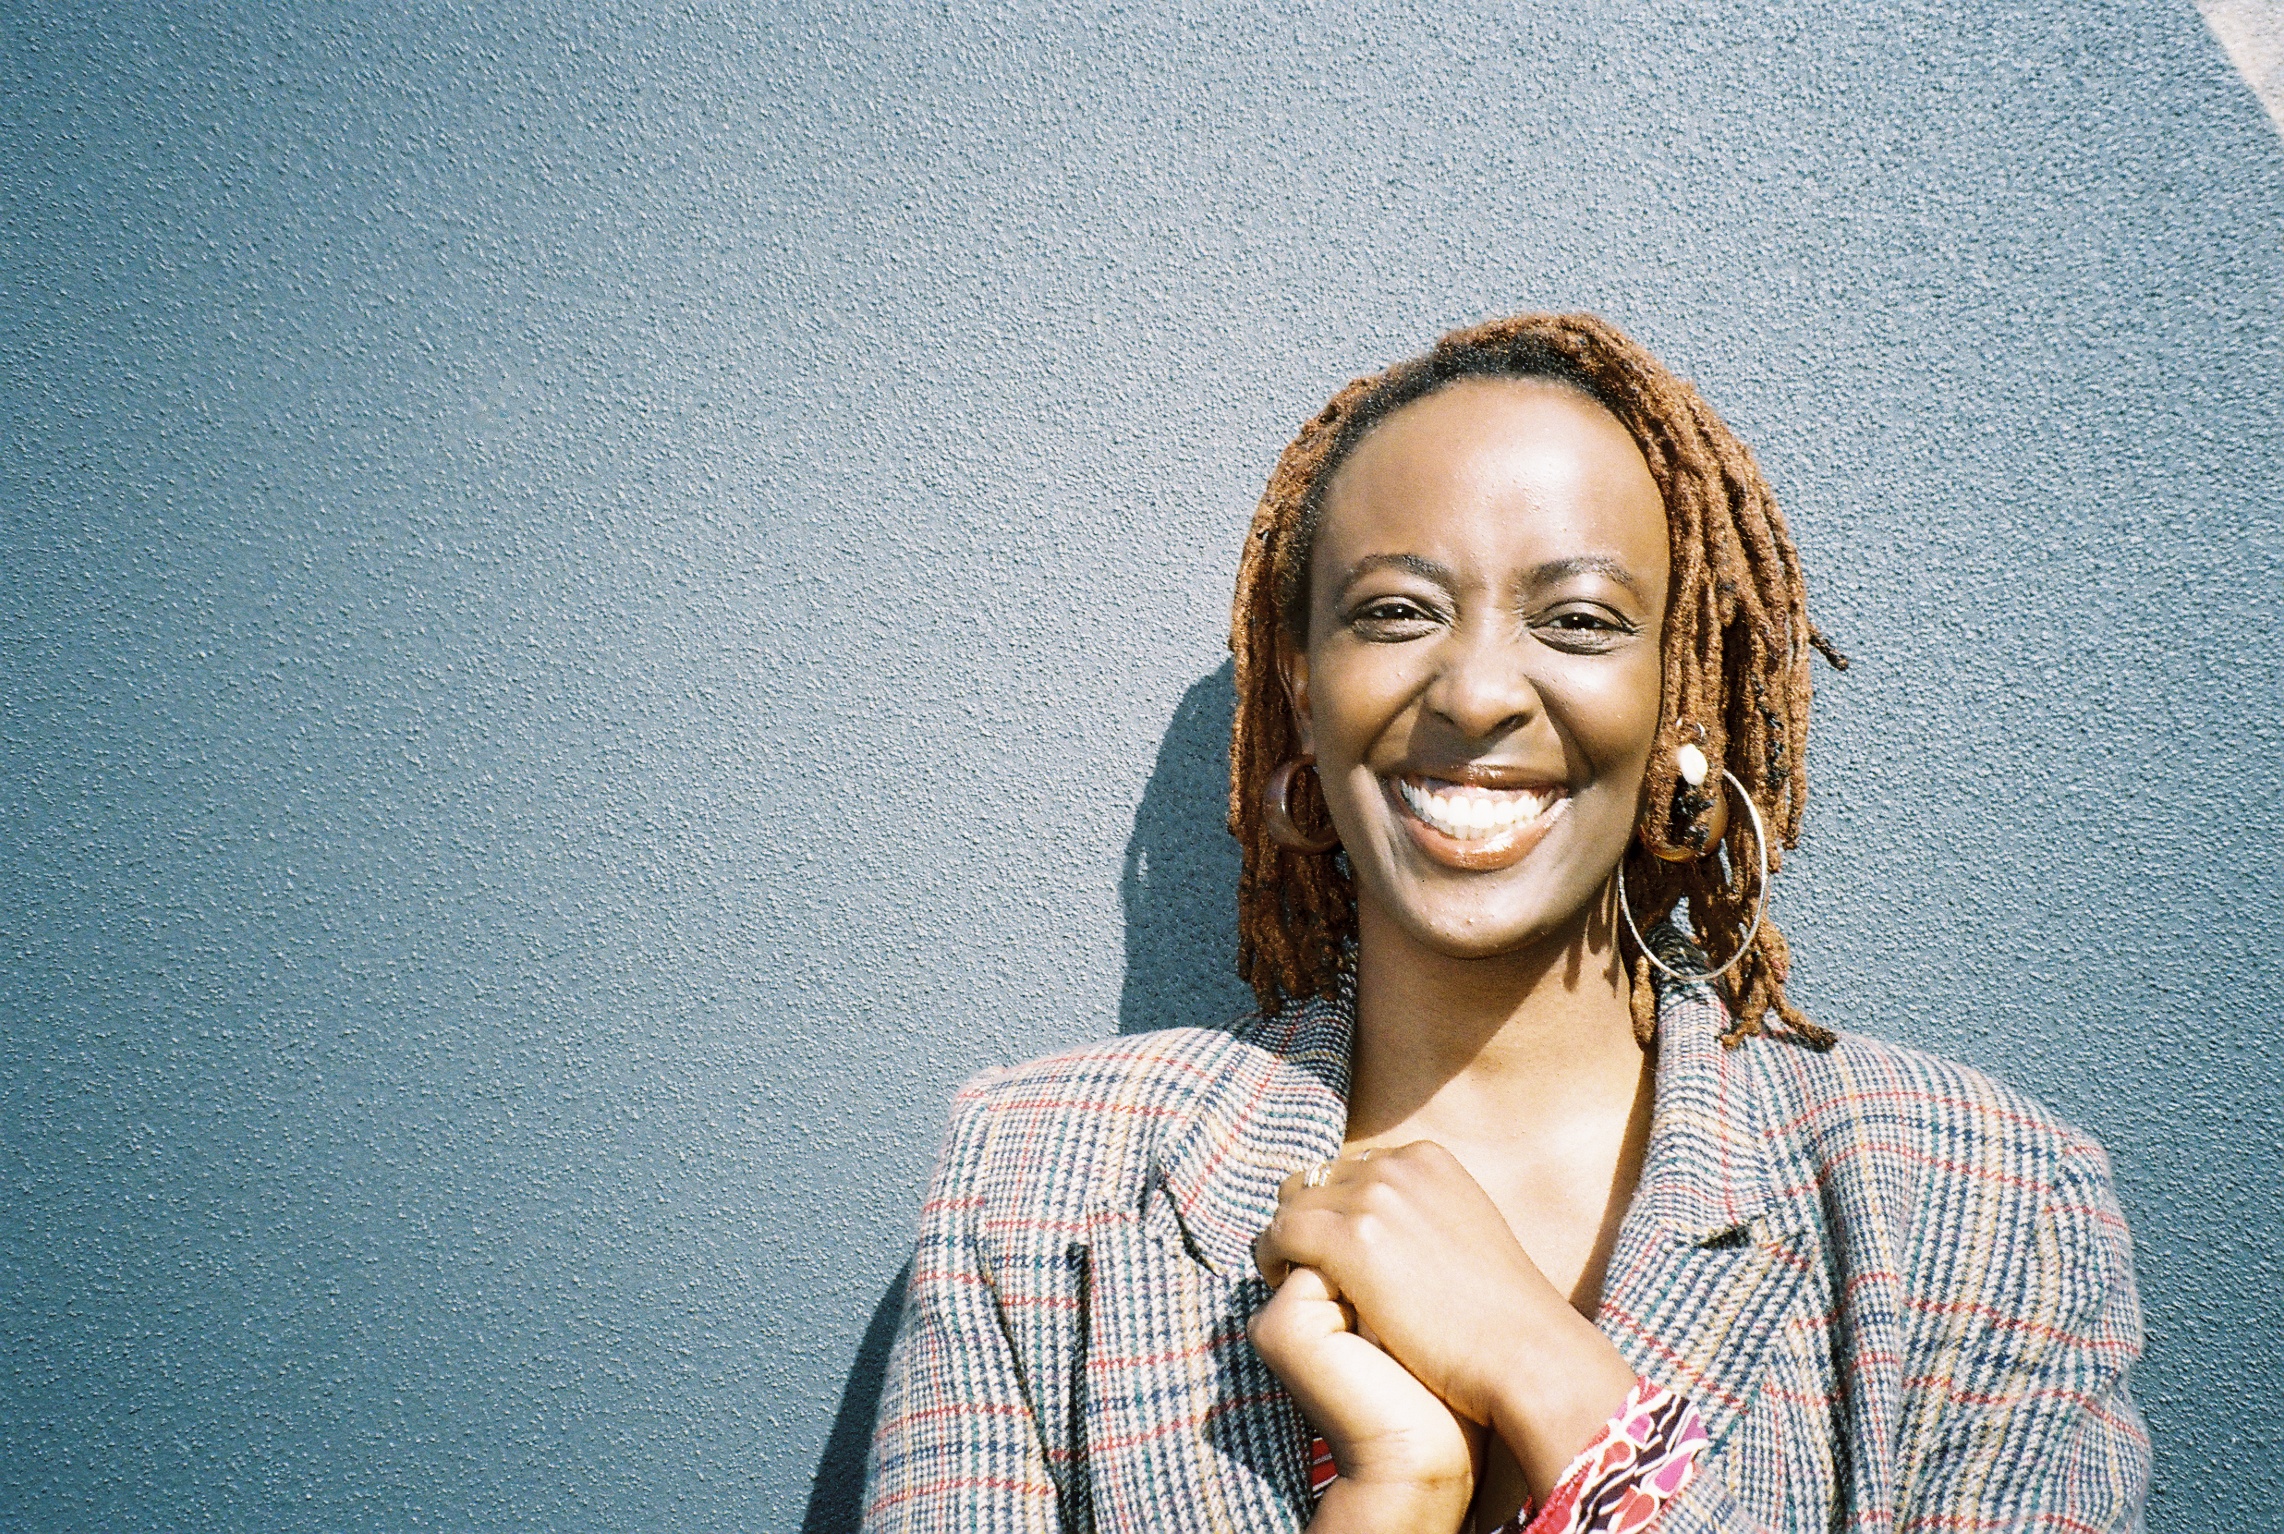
(1511, 1206)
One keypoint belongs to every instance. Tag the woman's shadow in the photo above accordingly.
(1178, 888)
(1179, 883)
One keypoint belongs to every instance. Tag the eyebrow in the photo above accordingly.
(1425, 569)
(1586, 564)
(1541, 574)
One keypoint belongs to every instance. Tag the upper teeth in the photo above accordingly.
(1466, 813)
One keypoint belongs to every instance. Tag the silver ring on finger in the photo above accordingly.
(1317, 1176)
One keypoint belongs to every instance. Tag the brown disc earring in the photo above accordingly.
(1277, 810)
(1708, 813)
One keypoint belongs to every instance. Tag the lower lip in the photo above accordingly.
(1482, 854)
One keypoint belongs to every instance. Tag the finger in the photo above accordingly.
(1300, 1236)
(1267, 1263)
(1270, 1258)
(1298, 1181)
(1301, 1318)
(1309, 1285)
(1297, 1319)
(1352, 1391)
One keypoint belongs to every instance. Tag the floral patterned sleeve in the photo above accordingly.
(1620, 1483)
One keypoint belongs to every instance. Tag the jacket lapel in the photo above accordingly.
(1712, 1263)
(1185, 1426)
(1281, 1103)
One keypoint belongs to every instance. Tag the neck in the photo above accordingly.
(1461, 1049)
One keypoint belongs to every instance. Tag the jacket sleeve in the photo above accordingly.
(2039, 1431)
(956, 1445)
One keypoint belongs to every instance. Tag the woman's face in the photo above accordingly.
(1480, 682)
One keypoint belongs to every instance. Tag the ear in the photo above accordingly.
(1293, 671)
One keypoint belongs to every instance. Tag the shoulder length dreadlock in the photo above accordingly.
(1734, 682)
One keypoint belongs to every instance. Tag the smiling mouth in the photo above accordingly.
(1470, 826)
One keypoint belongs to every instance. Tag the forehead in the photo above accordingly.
(1500, 470)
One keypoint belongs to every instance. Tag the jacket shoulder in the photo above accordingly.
(1919, 1153)
(1866, 1087)
(1052, 1140)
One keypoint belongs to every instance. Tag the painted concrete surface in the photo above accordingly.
(600, 607)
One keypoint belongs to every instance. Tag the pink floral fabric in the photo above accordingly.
(1620, 1483)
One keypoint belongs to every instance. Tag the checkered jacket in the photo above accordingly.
(1900, 1295)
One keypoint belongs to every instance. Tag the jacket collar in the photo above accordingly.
(1710, 1169)
(1281, 1103)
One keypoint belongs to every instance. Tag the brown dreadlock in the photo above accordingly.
(1735, 679)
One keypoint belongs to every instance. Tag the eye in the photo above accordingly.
(1581, 626)
(1391, 618)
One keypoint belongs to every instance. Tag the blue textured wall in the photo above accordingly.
(598, 609)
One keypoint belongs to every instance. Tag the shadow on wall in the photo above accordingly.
(836, 1491)
(1179, 891)
(1179, 885)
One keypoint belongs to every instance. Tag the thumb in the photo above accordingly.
(1305, 1312)
(1315, 1287)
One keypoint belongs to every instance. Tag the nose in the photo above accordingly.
(1483, 688)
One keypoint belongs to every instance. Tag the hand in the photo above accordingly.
(1405, 1461)
(1416, 1246)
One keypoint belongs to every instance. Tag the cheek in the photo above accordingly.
(1352, 701)
(1613, 717)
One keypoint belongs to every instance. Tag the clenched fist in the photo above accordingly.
(1414, 1247)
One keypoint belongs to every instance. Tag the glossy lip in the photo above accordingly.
(1484, 855)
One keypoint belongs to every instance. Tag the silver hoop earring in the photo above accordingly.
(1760, 906)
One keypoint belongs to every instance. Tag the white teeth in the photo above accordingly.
(1475, 814)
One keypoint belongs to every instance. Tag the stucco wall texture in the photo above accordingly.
(600, 607)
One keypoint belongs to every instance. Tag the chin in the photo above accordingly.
(1473, 928)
